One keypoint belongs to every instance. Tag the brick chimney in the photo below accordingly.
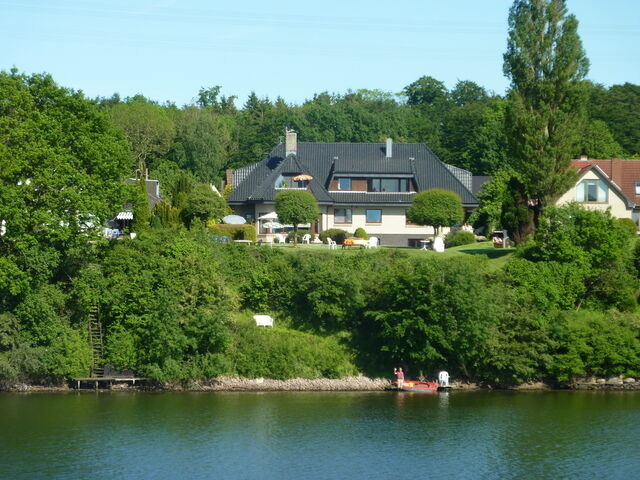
(228, 177)
(290, 143)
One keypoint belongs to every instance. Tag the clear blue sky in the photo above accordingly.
(169, 49)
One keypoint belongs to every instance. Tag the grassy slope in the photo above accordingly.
(497, 256)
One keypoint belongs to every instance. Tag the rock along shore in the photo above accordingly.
(354, 384)
(234, 384)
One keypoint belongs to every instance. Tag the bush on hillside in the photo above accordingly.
(283, 354)
(459, 237)
(628, 224)
(235, 232)
(336, 234)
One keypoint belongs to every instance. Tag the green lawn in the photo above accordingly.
(496, 256)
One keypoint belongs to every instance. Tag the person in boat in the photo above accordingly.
(399, 377)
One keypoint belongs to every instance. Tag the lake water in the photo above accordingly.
(321, 435)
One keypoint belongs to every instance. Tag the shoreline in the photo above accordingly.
(346, 384)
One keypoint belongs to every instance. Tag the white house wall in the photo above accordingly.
(615, 201)
(393, 222)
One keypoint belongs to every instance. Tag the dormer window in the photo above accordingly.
(388, 185)
(344, 184)
(294, 180)
(592, 191)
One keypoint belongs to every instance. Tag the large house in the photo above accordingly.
(368, 185)
(603, 184)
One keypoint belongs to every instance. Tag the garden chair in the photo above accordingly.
(332, 244)
(373, 242)
(306, 238)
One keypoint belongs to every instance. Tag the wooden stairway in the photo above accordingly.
(95, 342)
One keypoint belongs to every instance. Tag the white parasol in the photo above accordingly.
(234, 220)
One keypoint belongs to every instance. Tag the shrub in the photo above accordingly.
(336, 234)
(360, 233)
(236, 232)
(628, 224)
(459, 237)
(281, 354)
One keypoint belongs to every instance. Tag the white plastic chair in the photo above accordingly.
(332, 244)
(306, 238)
(373, 242)
(281, 238)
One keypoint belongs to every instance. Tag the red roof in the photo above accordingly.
(624, 173)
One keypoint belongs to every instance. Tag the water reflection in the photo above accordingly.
(320, 435)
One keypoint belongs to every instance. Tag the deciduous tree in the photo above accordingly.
(296, 207)
(437, 208)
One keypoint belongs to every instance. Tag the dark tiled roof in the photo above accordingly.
(478, 182)
(323, 161)
(355, 198)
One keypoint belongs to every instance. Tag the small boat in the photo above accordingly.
(416, 386)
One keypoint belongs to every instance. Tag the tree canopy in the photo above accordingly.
(62, 163)
(296, 207)
(437, 208)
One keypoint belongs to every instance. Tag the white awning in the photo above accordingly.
(125, 216)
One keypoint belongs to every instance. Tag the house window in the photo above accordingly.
(374, 216)
(637, 188)
(388, 185)
(342, 215)
(592, 191)
(344, 184)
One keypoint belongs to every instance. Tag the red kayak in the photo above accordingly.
(416, 386)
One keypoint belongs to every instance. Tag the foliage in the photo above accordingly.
(336, 234)
(165, 305)
(204, 204)
(282, 354)
(437, 208)
(546, 64)
(491, 199)
(361, 233)
(592, 241)
(203, 143)
(593, 343)
(456, 238)
(629, 225)
(236, 232)
(619, 107)
(148, 128)
(296, 207)
(597, 141)
(61, 165)
(435, 315)
(167, 215)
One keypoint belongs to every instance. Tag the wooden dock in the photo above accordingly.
(105, 382)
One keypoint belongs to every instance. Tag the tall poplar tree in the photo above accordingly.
(546, 64)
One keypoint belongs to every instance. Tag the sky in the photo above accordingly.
(168, 49)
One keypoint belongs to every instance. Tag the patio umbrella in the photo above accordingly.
(269, 216)
(234, 220)
(272, 225)
(301, 177)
